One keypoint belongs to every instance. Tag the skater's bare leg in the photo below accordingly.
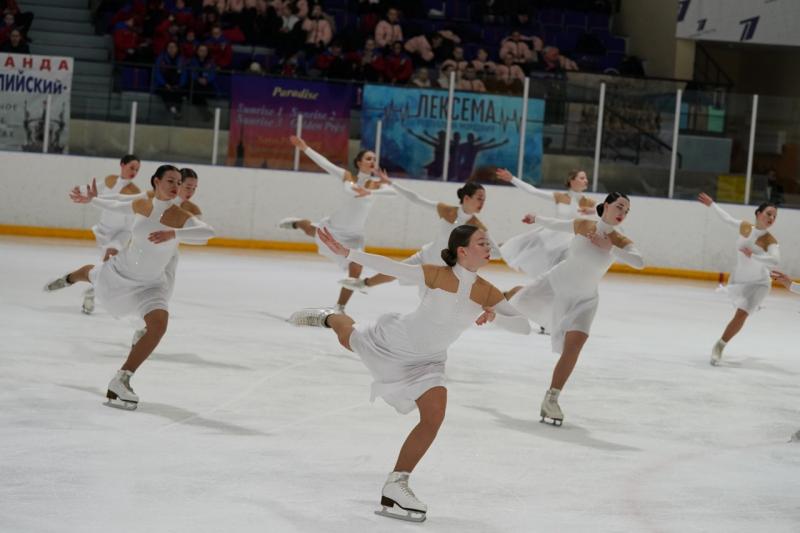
(378, 279)
(432, 405)
(573, 344)
(156, 326)
(735, 325)
(82, 274)
(342, 325)
(354, 271)
(306, 227)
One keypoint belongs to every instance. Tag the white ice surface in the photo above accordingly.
(249, 424)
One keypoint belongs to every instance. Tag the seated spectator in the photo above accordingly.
(290, 35)
(164, 33)
(368, 14)
(6, 26)
(189, 45)
(517, 47)
(208, 19)
(457, 59)
(318, 31)
(15, 44)
(22, 20)
(482, 63)
(469, 81)
(443, 80)
(551, 60)
(367, 63)
(291, 66)
(301, 7)
(170, 78)
(443, 48)
(128, 45)
(219, 48)
(421, 78)
(183, 14)
(427, 50)
(204, 79)
(509, 70)
(397, 67)
(262, 24)
(388, 31)
(332, 63)
(504, 85)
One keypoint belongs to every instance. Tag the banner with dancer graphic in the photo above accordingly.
(264, 114)
(25, 83)
(485, 132)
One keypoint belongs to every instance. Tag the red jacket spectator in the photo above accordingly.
(7, 26)
(189, 45)
(220, 48)
(126, 41)
(397, 67)
(184, 16)
(165, 32)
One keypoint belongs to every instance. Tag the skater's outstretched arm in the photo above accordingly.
(785, 280)
(629, 255)
(90, 197)
(318, 158)
(508, 318)
(770, 258)
(555, 224)
(412, 196)
(728, 219)
(409, 273)
(505, 175)
(194, 231)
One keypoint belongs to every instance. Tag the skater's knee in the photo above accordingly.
(156, 322)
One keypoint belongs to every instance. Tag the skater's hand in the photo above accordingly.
(160, 236)
(504, 175)
(600, 240)
(77, 196)
(487, 316)
(329, 241)
(705, 199)
(110, 252)
(297, 142)
(530, 218)
(747, 252)
(781, 278)
(383, 177)
(361, 192)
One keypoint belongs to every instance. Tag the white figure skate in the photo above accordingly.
(551, 411)
(311, 317)
(88, 301)
(355, 284)
(120, 394)
(398, 501)
(716, 352)
(288, 222)
(57, 284)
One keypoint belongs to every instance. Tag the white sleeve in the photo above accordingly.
(795, 288)
(413, 197)
(115, 206)
(629, 255)
(383, 191)
(556, 224)
(194, 231)
(495, 249)
(725, 216)
(771, 258)
(125, 197)
(324, 164)
(403, 271)
(530, 189)
(508, 318)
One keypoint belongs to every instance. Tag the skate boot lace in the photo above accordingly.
(126, 382)
(406, 490)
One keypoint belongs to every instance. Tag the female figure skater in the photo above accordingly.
(347, 224)
(749, 283)
(565, 298)
(112, 231)
(406, 353)
(540, 249)
(471, 196)
(793, 286)
(134, 281)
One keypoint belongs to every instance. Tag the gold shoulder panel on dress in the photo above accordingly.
(130, 188)
(440, 277)
(151, 194)
(485, 294)
(561, 198)
(110, 181)
(584, 227)
(348, 176)
(619, 240)
(474, 221)
(447, 212)
(372, 184)
(745, 228)
(191, 208)
(766, 240)
(586, 203)
(143, 207)
(175, 217)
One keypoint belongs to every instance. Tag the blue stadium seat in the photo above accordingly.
(575, 18)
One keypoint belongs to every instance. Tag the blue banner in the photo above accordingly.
(485, 132)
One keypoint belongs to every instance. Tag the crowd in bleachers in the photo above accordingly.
(490, 45)
(14, 28)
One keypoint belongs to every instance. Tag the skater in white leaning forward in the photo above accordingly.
(406, 353)
(135, 282)
(565, 299)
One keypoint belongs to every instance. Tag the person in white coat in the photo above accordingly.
(749, 283)
(348, 223)
(565, 298)
(135, 281)
(406, 354)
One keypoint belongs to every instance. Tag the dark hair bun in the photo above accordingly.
(449, 257)
(600, 208)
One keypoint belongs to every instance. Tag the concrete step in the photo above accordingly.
(92, 68)
(72, 4)
(55, 25)
(91, 54)
(70, 39)
(66, 14)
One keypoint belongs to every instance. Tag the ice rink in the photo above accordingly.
(249, 424)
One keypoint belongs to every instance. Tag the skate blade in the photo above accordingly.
(112, 400)
(408, 516)
(552, 421)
